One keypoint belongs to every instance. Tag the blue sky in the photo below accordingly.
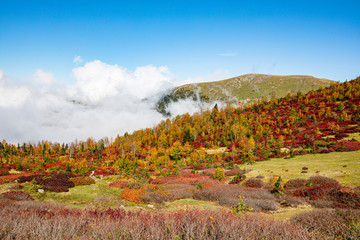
(110, 55)
(192, 38)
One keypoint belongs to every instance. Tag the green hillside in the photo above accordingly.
(249, 86)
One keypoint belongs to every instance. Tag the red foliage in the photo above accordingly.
(185, 179)
(312, 193)
(4, 171)
(103, 171)
(53, 182)
(119, 184)
(345, 145)
(16, 195)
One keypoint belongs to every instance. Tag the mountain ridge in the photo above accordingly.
(244, 87)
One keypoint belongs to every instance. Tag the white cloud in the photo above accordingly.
(96, 80)
(105, 101)
(10, 94)
(227, 54)
(43, 77)
(77, 60)
(2, 75)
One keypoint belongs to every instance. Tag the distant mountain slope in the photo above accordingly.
(249, 86)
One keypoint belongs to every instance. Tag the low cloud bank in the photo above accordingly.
(106, 100)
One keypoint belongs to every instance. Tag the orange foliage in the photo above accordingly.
(131, 195)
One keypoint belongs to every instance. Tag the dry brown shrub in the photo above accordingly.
(262, 204)
(295, 183)
(209, 172)
(321, 181)
(168, 192)
(289, 201)
(16, 187)
(334, 224)
(16, 196)
(233, 171)
(57, 224)
(344, 195)
(254, 183)
(322, 203)
(228, 195)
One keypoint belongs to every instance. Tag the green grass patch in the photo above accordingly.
(342, 166)
(353, 136)
(97, 195)
(188, 203)
(287, 213)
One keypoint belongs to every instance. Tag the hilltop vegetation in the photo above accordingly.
(294, 125)
(213, 156)
(245, 88)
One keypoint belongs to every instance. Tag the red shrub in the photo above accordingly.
(102, 171)
(16, 195)
(345, 196)
(4, 171)
(119, 184)
(254, 183)
(345, 145)
(310, 192)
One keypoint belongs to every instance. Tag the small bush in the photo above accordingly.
(16, 196)
(295, 183)
(321, 181)
(262, 204)
(138, 183)
(312, 193)
(254, 183)
(334, 224)
(239, 177)
(15, 187)
(228, 195)
(119, 184)
(346, 196)
(322, 203)
(209, 172)
(78, 181)
(168, 192)
(131, 195)
(234, 171)
(4, 171)
(59, 182)
(219, 174)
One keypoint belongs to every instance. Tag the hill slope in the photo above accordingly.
(249, 86)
